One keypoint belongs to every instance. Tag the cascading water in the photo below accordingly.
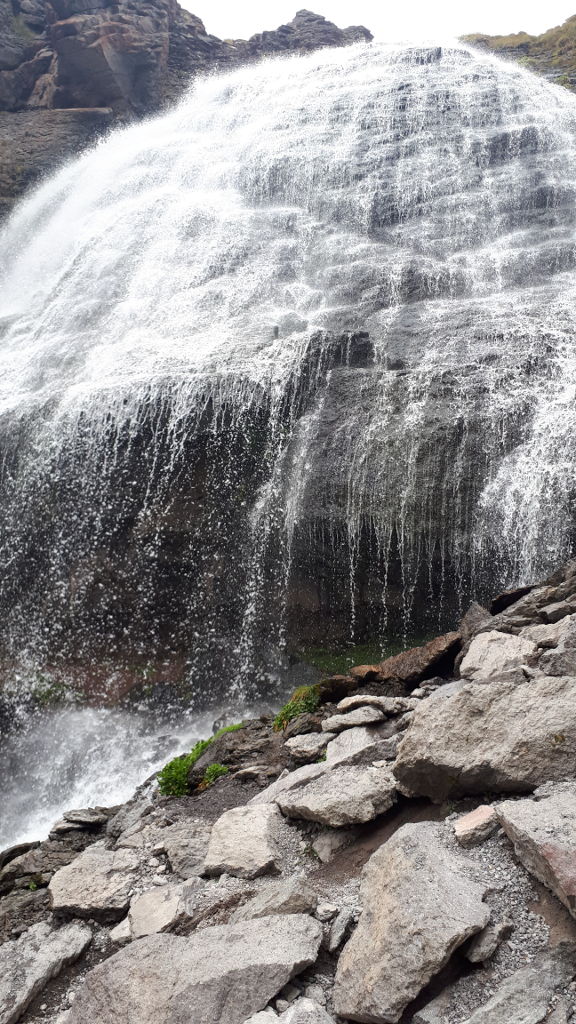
(292, 364)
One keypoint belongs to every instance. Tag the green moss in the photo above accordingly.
(20, 28)
(304, 700)
(213, 772)
(173, 778)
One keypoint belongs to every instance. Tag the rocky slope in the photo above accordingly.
(401, 847)
(69, 69)
(552, 54)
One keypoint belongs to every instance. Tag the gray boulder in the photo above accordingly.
(543, 830)
(306, 1011)
(225, 973)
(501, 736)
(492, 654)
(347, 795)
(242, 842)
(525, 997)
(96, 884)
(420, 903)
(310, 746)
(363, 743)
(360, 716)
(185, 844)
(29, 963)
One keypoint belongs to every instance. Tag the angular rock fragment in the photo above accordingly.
(485, 944)
(306, 1011)
(476, 826)
(286, 896)
(525, 997)
(29, 963)
(327, 844)
(360, 716)
(347, 795)
(224, 973)
(388, 705)
(242, 842)
(185, 844)
(500, 737)
(96, 884)
(310, 746)
(155, 910)
(543, 830)
(420, 903)
(411, 667)
(492, 654)
(364, 742)
(287, 781)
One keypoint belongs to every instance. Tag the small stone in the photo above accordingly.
(155, 910)
(473, 828)
(327, 844)
(122, 932)
(387, 705)
(484, 945)
(338, 929)
(362, 742)
(326, 911)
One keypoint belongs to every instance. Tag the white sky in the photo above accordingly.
(395, 22)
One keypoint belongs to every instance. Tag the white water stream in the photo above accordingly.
(179, 440)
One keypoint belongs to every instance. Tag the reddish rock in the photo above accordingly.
(410, 667)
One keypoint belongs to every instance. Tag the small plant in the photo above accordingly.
(304, 700)
(173, 778)
(213, 772)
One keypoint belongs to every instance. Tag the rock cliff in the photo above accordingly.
(552, 54)
(110, 62)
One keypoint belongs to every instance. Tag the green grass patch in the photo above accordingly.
(173, 778)
(304, 700)
(213, 773)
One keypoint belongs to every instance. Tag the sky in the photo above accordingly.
(394, 22)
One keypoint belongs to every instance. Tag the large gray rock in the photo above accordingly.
(242, 842)
(524, 998)
(420, 903)
(225, 973)
(543, 830)
(492, 654)
(360, 716)
(185, 844)
(347, 795)
(155, 910)
(363, 742)
(288, 781)
(501, 737)
(285, 896)
(27, 964)
(96, 884)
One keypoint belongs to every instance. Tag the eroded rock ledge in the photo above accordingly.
(325, 876)
(111, 61)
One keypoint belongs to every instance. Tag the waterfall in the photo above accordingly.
(292, 364)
